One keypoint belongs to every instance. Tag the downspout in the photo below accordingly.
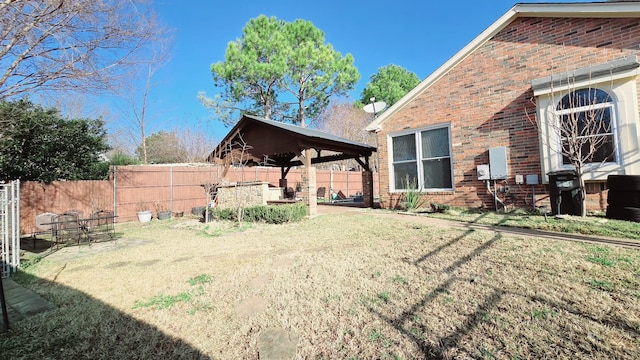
(377, 169)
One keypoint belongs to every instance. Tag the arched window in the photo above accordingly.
(586, 124)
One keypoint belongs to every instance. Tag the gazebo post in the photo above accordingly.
(367, 182)
(309, 194)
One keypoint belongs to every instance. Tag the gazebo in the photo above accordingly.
(258, 141)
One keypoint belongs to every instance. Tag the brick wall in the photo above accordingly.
(488, 101)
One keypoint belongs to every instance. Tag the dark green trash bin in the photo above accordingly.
(564, 193)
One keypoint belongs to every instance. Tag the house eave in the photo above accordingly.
(612, 70)
(568, 10)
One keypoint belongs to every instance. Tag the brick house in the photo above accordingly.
(497, 96)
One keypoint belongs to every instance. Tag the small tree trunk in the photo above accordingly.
(583, 190)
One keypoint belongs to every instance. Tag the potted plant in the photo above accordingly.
(144, 214)
(162, 212)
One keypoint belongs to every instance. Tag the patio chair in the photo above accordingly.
(322, 191)
(66, 227)
(43, 226)
(101, 222)
(289, 193)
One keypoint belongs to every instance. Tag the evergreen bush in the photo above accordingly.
(270, 214)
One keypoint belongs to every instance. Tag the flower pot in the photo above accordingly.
(163, 215)
(178, 214)
(144, 216)
(197, 210)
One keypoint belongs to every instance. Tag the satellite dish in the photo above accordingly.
(375, 107)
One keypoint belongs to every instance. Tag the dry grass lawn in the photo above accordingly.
(352, 285)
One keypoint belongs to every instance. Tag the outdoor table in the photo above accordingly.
(70, 226)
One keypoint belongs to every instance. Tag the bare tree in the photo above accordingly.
(347, 121)
(196, 144)
(236, 153)
(580, 130)
(82, 46)
(119, 144)
(138, 98)
(77, 106)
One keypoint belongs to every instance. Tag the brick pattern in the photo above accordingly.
(309, 193)
(244, 194)
(367, 187)
(488, 101)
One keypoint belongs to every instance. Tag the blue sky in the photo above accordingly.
(417, 35)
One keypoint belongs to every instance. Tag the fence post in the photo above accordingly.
(330, 184)
(171, 188)
(115, 193)
(3, 302)
(348, 194)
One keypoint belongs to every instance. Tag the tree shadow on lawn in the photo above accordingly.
(581, 338)
(84, 327)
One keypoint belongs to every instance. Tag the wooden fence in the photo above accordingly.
(177, 188)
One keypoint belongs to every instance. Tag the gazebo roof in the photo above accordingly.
(271, 143)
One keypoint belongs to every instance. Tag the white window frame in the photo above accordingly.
(588, 166)
(419, 159)
(622, 87)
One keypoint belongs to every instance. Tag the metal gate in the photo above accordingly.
(10, 226)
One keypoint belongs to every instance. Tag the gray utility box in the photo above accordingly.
(498, 162)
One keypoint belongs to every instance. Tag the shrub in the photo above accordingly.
(271, 214)
(123, 159)
(413, 195)
(439, 207)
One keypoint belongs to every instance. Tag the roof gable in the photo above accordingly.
(273, 143)
(557, 10)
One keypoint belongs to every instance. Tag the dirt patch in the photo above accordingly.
(81, 268)
(260, 282)
(251, 306)
(117, 264)
(148, 262)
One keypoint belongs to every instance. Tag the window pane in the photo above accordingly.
(435, 143)
(404, 147)
(437, 174)
(587, 123)
(604, 153)
(583, 97)
(404, 170)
